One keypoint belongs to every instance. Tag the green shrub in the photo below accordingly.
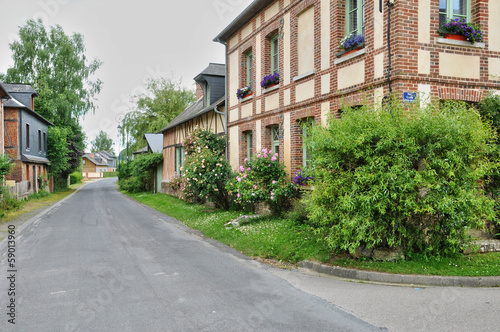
(5, 168)
(109, 174)
(75, 177)
(138, 175)
(410, 179)
(489, 108)
(263, 179)
(205, 171)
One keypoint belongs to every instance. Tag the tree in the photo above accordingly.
(102, 142)
(57, 67)
(155, 109)
(55, 64)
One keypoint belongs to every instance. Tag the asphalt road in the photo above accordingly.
(102, 262)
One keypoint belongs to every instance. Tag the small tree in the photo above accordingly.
(102, 142)
(410, 179)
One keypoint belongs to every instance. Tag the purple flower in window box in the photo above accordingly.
(301, 178)
(472, 32)
(243, 92)
(269, 80)
(352, 41)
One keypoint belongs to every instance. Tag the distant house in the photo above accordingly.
(25, 138)
(207, 112)
(93, 165)
(106, 157)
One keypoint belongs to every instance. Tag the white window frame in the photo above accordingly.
(449, 13)
(275, 139)
(179, 159)
(275, 54)
(249, 145)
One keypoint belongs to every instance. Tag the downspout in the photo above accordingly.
(225, 98)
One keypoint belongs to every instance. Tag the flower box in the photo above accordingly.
(270, 80)
(244, 92)
(456, 28)
(351, 44)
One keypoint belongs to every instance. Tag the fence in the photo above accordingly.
(19, 190)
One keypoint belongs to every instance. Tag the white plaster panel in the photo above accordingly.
(246, 110)
(378, 65)
(258, 63)
(351, 75)
(234, 147)
(234, 78)
(424, 94)
(286, 97)
(258, 135)
(325, 84)
(287, 153)
(424, 62)
(247, 30)
(457, 65)
(305, 41)
(272, 102)
(424, 21)
(494, 25)
(233, 115)
(272, 11)
(378, 26)
(325, 34)
(494, 69)
(286, 50)
(304, 91)
(325, 111)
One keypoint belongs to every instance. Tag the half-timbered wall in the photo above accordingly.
(174, 137)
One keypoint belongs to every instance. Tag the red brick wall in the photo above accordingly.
(404, 70)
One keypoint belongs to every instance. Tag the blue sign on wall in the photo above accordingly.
(409, 97)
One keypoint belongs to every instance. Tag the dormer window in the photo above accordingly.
(207, 100)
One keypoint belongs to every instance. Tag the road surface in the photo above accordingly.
(102, 262)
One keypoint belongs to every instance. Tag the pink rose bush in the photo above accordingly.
(262, 179)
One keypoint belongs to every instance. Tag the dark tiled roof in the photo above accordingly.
(3, 92)
(34, 159)
(192, 112)
(253, 9)
(107, 155)
(214, 69)
(14, 103)
(19, 88)
(155, 142)
(141, 151)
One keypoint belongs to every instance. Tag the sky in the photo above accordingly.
(135, 40)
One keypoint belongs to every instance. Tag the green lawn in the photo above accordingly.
(285, 241)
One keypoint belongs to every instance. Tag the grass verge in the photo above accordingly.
(287, 241)
(38, 202)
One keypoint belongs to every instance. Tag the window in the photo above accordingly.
(39, 140)
(453, 9)
(306, 132)
(45, 141)
(27, 136)
(249, 67)
(208, 96)
(355, 12)
(249, 145)
(275, 65)
(179, 159)
(275, 134)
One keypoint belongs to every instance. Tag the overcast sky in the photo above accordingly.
(136, 40)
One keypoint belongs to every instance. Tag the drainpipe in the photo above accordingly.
(224, 126)
(225, 98)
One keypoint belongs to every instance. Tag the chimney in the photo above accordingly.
(199, 91)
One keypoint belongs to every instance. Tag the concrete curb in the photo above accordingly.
(452, 281)
(4, 242)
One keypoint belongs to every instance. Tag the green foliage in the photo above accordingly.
(489, 108)
(263, 179)
(55, 64)
(163, 101)
(75, 177)
(57, 67)
(58, 153)
(109, 174)
(409, 179)
(8, 203)
(5, 168)
(141, 171)
(205, 171)
(102, 142)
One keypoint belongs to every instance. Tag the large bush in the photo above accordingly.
(138, 175)
(489, 108)
(263, 179)
(409, 179)
(206, 170)
(5, 168)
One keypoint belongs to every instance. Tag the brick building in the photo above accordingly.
(25, 137)
(300, 38)
(4, 97)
